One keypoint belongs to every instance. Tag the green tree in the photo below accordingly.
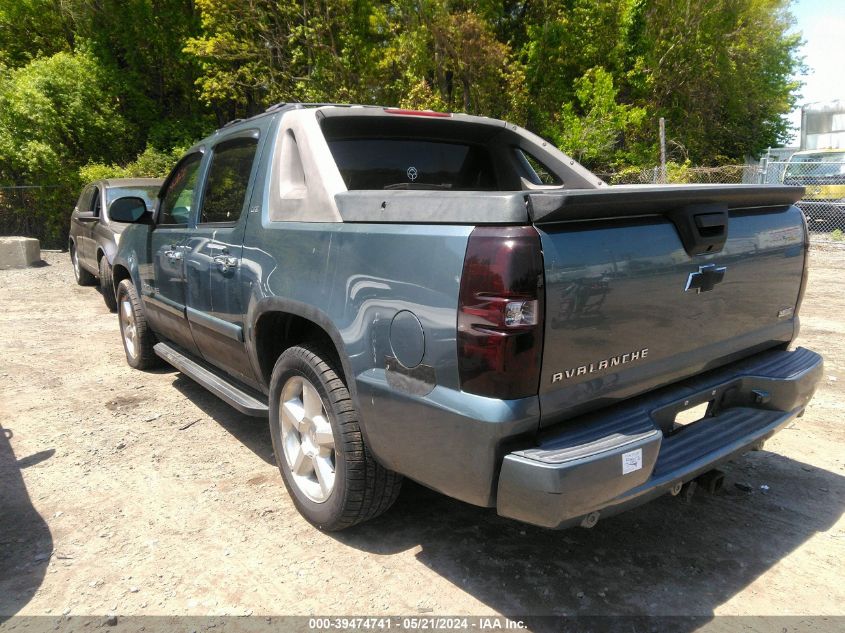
(719, 71)
(55, 113)
(353, 50)
(140, 42)
(595, 75)
(35, 28)
(593, 129)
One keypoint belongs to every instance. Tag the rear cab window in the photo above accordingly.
(415, 152)
(413, 163)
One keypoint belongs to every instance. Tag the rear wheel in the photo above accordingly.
(107, 284)
(83, 277)
(138, 338)
(329, 472)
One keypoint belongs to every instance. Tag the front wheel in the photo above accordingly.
(107, 284)
(138, 339)
(328, 470)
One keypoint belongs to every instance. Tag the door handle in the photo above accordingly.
(225, 262)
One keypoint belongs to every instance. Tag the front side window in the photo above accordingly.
(84, 204)
(228, 180)
(96, 203)
(180, 193)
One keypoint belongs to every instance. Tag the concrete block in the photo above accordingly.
(19, 252)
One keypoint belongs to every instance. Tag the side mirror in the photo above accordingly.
(129, 210)
(84, 216)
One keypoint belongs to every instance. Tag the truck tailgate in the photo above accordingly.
(641, 291)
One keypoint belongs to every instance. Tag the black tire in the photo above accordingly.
(107, 284)
(143, 357)
(362, 488)
(83, 277)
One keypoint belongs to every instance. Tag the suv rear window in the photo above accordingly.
(148, 193)
(397, 163)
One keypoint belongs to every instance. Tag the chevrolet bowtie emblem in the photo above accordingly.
(706, 277)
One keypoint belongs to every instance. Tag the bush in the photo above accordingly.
(151, 163)
(55, 113)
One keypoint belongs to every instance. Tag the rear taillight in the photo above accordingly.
(500, 313)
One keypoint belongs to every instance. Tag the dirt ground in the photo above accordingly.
(140, 493)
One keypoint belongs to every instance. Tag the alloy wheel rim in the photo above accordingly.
(307, 439)
(75, 263)
(128, 327)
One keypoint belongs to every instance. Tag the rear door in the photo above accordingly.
(628, 308)
(213, 254)
(165, 298)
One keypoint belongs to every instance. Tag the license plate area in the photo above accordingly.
(691, 415)
(682, 414)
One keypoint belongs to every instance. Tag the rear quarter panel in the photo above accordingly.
(353, 279)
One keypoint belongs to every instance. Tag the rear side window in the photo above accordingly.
(228, 180)
(177, 199)
(539, 174)
(147, 193)
(396, 163)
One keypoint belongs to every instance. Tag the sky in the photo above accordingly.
(822, 25)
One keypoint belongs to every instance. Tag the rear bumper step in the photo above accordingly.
(625, 455)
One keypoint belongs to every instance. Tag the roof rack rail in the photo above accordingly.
(315, 104)
(295, 105)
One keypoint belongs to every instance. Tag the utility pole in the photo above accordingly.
(662, 151)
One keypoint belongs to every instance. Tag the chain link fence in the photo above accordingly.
(824, 182)
(683, 174)
(43, 211)
(824, 191)
(40, 211)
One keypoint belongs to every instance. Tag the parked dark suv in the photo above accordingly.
(94, 236)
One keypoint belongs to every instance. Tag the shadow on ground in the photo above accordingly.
(666, 558)
(254, 433)
(25, 540)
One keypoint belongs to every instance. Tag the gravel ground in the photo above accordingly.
(140, 493)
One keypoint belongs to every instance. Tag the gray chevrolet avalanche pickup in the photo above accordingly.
(450, 298)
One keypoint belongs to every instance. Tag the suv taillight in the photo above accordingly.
(500, 313)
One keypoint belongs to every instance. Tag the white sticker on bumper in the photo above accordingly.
(632, 461)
